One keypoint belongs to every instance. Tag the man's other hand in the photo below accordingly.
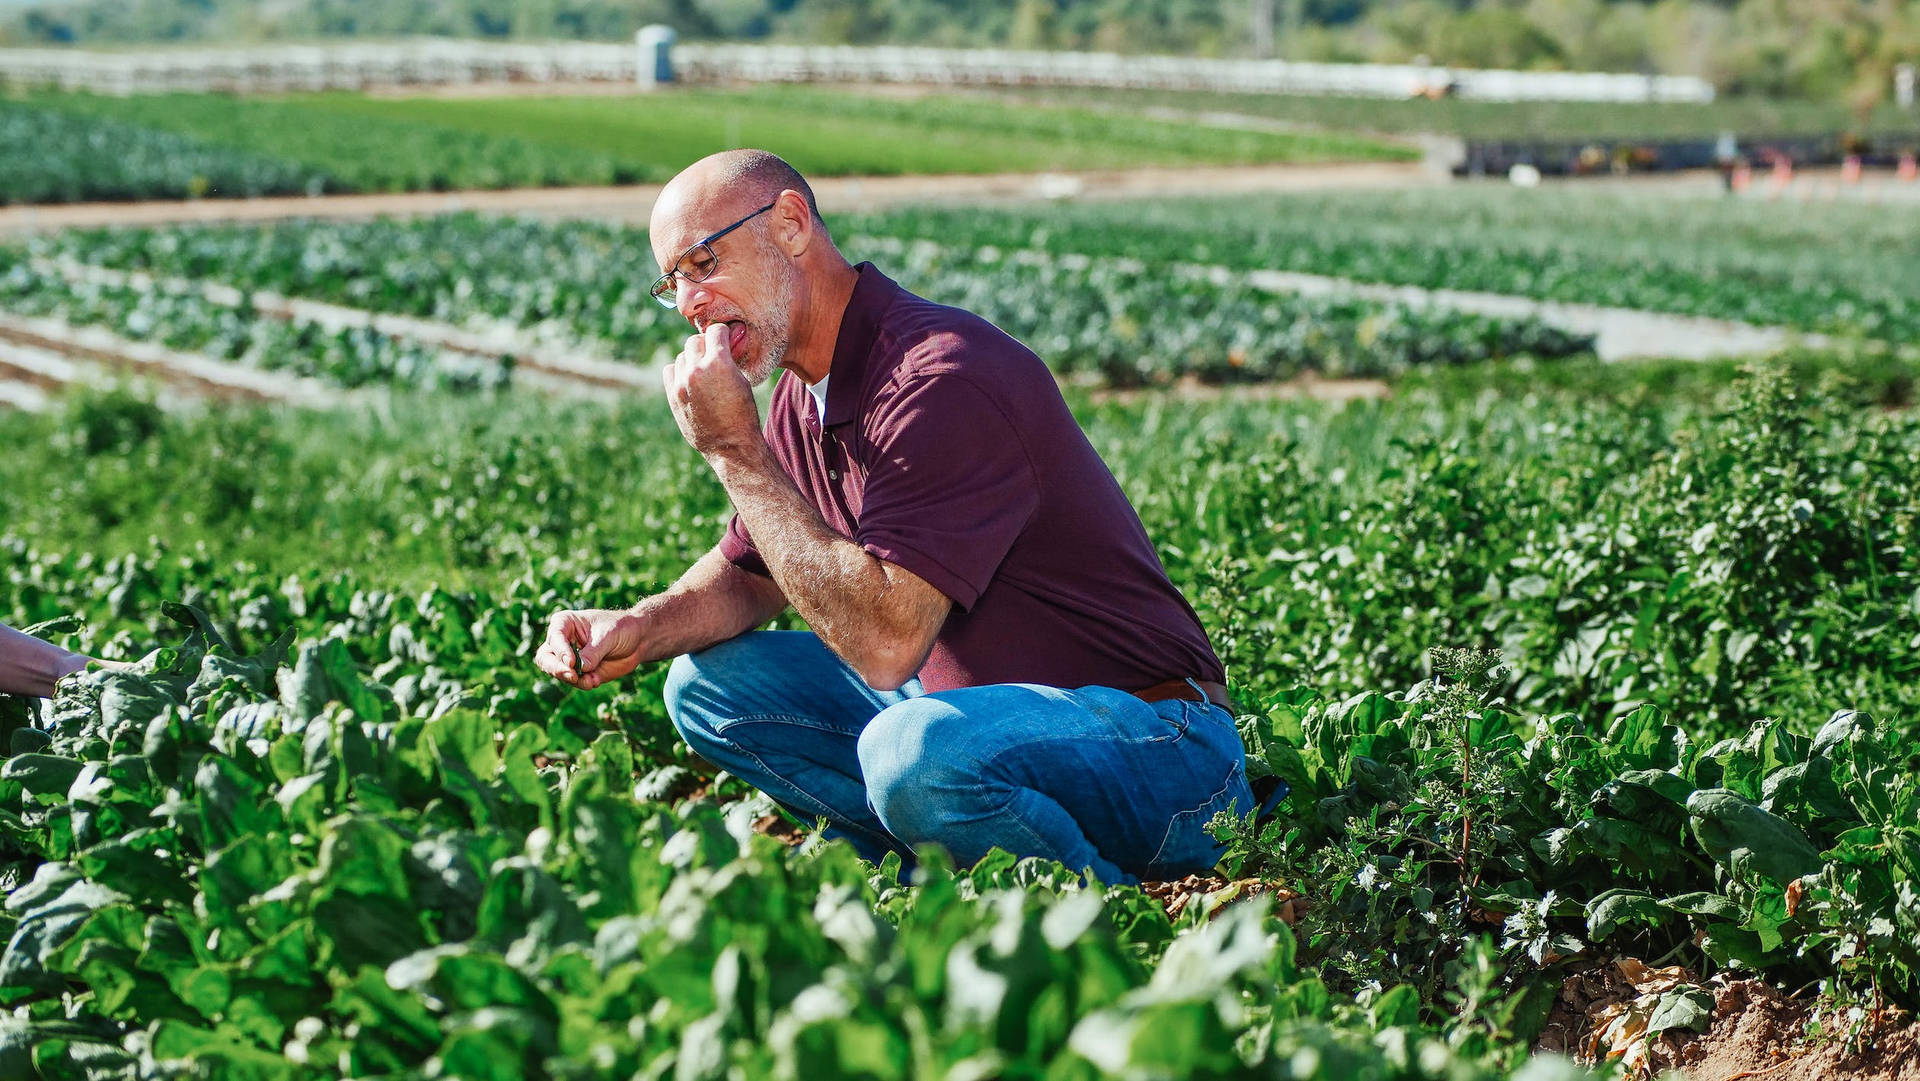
(588, 648)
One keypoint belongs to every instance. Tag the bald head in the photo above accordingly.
(762, 176)
(735, 180)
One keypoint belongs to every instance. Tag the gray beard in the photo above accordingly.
(776, 350)
(768, 363)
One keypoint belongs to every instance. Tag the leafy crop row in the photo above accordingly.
(1727, 565)
(188, 322)
(385, 847)
(47, 156)
(586, 279)
(343, 150)
(1724, 563)
(1747, 117)
(225, 864)
(1123, 325)
(1115, 323)
(1441, 817)
(1851, 270)
(583, 281)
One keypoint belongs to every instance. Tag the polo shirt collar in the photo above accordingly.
(873, 294)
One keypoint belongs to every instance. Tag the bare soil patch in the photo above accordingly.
(1756, 1031)
(14, 373)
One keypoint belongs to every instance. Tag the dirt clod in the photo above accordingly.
(1216, 893)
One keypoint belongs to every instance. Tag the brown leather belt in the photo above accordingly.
(1180, 688)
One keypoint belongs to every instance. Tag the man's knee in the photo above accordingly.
(693, 697)
(682, 675)
(912, 763)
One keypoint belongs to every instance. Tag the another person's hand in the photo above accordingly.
(34, 667)
(590, 647)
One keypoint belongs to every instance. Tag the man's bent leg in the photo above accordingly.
(1094, 777)
(779, 710)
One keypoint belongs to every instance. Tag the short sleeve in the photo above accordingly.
(949, 486)
(736, 545)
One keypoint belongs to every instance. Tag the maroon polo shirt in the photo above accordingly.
(947, 450)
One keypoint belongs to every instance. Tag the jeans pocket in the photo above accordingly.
(1121, 717)
(1178, 719)
(1187, 847)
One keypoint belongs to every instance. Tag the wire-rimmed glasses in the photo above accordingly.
(697, 263)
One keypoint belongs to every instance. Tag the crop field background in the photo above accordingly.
(1744, 117)
(72, 147)
(1596, 685)
(1846, 269)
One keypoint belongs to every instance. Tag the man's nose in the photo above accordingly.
(690, 298)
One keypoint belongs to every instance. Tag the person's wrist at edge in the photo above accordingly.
(66, 664)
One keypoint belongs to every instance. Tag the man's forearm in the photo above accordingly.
(31, 666)
(838, 587)
(712, 602)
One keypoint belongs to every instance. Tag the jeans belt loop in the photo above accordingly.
(1178, 688)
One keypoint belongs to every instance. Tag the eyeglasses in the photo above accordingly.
(697, 263)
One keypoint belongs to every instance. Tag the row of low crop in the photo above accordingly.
(67, 147)
(584, 280)
(1123, 325)
(335, 151)
(1846, 269)
(232, 865)
(1752, 559)
(208, 855)
(47, 156)
(1664, 575)
(1436, 814)
(1114, 322)
(187, 321)
(1750, 119)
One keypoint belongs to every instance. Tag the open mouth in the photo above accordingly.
(736, 333)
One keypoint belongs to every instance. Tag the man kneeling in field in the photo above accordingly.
(997, 657)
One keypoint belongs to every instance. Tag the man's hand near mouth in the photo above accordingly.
(736, 333)
(711, 399)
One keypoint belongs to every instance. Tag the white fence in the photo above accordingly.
(1003, 67)
(355, 66)
(331, 67)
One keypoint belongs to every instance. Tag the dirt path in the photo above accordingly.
(836, 194)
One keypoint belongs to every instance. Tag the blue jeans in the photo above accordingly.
(1092, 777)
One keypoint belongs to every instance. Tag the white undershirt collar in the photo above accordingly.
(819, 392)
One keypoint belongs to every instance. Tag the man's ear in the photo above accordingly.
(793, 223)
